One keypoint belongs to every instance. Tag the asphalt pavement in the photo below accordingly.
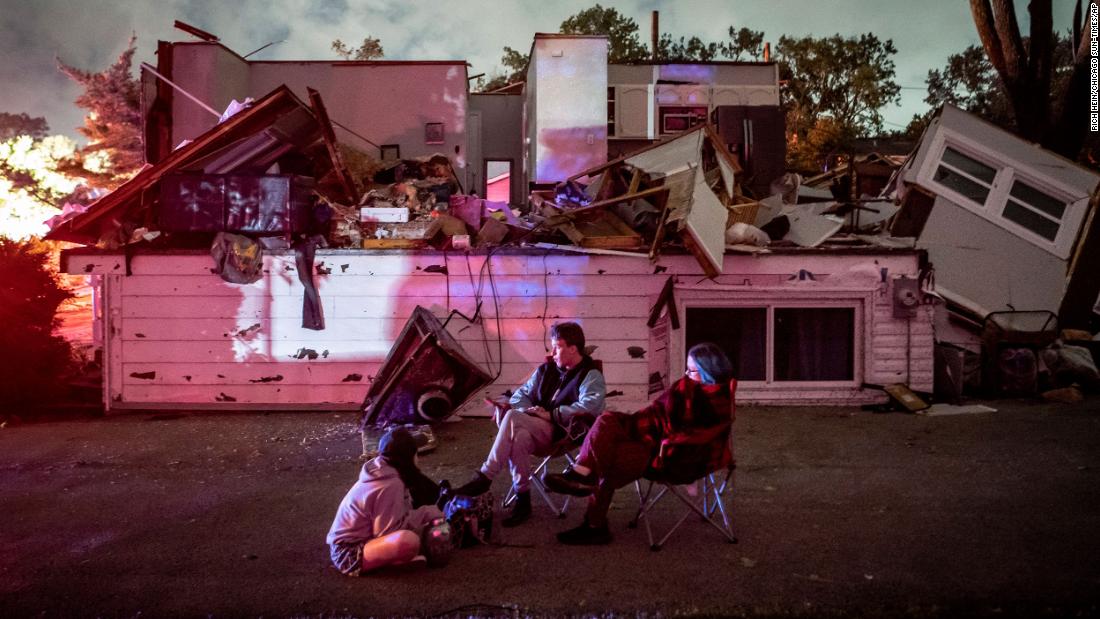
(839, 512)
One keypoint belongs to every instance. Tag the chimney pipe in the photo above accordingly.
(767, 51)
(655, 35)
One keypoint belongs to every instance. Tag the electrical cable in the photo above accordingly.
(545, 300)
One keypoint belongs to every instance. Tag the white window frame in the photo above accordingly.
(1008, 172)
(858, 301)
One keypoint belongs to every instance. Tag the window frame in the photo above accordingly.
(858, 301)
(1008, 171)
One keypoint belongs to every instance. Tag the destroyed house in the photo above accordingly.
(810, 317)
(388, 109)
(1003, 220)
(579, 109)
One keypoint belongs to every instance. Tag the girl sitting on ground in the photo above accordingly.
(377, 523)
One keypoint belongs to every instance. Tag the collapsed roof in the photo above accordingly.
(277, 129)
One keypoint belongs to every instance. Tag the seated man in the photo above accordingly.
(557, 395)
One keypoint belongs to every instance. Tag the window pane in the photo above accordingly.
(814, 343)
(1031, 220)
(1038, 200)
(739, 331)
(974, 168)
(961, 184)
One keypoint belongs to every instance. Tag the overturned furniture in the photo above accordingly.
(425, 377)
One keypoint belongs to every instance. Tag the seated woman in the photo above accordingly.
(377, 524)
(620, 446)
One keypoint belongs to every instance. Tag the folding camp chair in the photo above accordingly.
(703, 458)
(565, 448)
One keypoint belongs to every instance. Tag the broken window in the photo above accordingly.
(777, 344)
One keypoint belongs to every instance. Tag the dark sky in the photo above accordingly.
(90, 33)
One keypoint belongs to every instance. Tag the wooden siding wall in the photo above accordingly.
(180, 337)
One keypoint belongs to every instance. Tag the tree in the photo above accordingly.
(516, 63)
(743, 41)
(968, 81)
(1055, 118)
(15, 125)
(848, 79)
(693, 49)
(31, 188)
(34, 359)
(623, 44)
(371, 49)
(113, 125)
(814, 151)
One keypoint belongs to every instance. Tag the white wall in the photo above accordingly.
(567, 108)
(180, 337)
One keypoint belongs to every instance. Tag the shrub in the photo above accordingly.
(33, 361)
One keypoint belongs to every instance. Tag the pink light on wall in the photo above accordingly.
(498, 189)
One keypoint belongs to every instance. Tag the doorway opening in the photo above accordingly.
(498, 180)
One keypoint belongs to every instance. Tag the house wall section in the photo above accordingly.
(215, 76)
(987, 268)
(181, 337)
(570, 112)
(985, 262)
(385, 103)
(500, 138)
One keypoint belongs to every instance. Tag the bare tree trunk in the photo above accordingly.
(1025, 73)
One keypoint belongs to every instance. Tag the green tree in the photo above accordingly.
(847, 79)
(743, 41)
(623, 43)
(813, 152)
(114, 152)
(371, 49)
(1049, 104)
(515, 65)
(692, 49)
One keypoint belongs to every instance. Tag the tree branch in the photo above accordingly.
(1008, 31)
(987, 32)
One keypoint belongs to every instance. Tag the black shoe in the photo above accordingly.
(479, 484)
(571, 482)
(586, 535)
(521, 510)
